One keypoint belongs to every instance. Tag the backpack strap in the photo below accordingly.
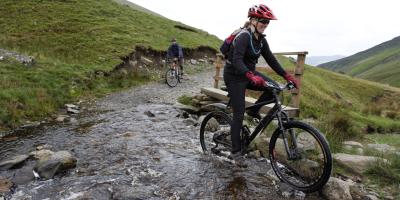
(251, 41)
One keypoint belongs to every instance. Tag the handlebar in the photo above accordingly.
(280, 87)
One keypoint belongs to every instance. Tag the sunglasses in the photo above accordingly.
(264, 21)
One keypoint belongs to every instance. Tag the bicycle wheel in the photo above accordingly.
(215, 133)
(171, 77)
(309, 166)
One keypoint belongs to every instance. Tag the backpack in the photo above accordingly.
(226, 45)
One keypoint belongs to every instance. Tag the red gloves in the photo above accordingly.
(255, 80)
(290, 78)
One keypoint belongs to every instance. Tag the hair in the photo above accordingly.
(246, 24)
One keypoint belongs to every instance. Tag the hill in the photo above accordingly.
(71, 40)
(380, 63)
(316, 60)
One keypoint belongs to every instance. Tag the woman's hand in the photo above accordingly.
(290, 78)
(255, 80)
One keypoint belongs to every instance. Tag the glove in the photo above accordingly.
(255, 80)
(290, 78)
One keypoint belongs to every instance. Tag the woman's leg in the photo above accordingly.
(236, 90)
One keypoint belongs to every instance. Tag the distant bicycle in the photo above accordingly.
(299, 153)
(173, 76)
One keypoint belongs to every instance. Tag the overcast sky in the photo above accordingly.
(321, 27)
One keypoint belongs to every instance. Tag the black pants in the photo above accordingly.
(237, 86)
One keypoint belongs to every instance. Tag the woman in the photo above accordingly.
(239, 71)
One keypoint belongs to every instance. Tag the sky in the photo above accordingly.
(321, 27)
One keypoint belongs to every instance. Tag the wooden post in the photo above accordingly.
(301, 58)
(218, 66)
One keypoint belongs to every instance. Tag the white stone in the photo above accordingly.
(337, 189)
(357, 163)
(353, 144)
(383, 148)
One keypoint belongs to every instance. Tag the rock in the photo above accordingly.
(337, 189)
(357, 191)
(383, 148)
(43, 154)
(13, 162)
(58, 162)
(261, 143)
(212, 125)
(72, 111)
(5, 185)
(146, 61)
(255, 154)
(23, 175)
(149, 113)
(187, 108)
(72, 106)
(202, 60)
(356, 163)
(206, 102)
(61, 118)
(2, 58)
(305, 141)
(370, 197)
(193, 61)
(42, 147)
(353, 144)
(190, 122)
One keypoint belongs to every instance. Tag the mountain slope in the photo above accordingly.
(316, 60)
(89, 31)
(380, 63)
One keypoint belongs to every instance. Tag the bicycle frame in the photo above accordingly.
(274, 112)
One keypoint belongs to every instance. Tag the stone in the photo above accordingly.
(72, 106)
(42, 147)
(149, 113)
(353, 144)
(23, 175)
(60, 161)
(42, 154)
(187, 108)
(146, 61)
(72, 111)
(190, 122)
(356, 163)
(382, 148)
(202, 60)
(193, 61)
(337, 189)
(370, 197)
(61, 118)
(13, 162)
(2, 58)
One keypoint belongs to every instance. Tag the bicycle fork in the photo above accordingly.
(290, 146)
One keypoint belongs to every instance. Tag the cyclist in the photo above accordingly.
(239, 71)
(175, 52)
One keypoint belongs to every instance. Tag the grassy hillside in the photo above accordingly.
(380, 63)
(345, 105)
(71, 39)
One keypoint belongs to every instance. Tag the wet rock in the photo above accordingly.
(43, 154)
(356, 163)
(5, 185)
(5, 165)
(58, 162)
(45, 146)
(98, 192)
(337, 189)
(149, 113)
(23, 175)
(382, 148)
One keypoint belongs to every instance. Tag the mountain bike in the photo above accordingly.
(299, 153)
(173, 76)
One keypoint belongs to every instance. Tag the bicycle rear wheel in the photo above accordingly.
(309, 166)
(171, 77)
(215, 131)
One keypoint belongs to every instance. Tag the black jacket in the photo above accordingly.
(243, 58)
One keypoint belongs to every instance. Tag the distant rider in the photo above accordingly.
(175, 52)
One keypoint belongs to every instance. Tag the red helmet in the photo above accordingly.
(261, 11)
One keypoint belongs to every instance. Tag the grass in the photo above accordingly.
(71, 40)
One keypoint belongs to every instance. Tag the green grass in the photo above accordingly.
(70, 40)
(390, 139)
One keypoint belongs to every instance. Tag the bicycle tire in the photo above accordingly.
(279, 166)
(171, 77)
(224, 121)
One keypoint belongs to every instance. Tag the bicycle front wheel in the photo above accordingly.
(171, 77)
(300, 156)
